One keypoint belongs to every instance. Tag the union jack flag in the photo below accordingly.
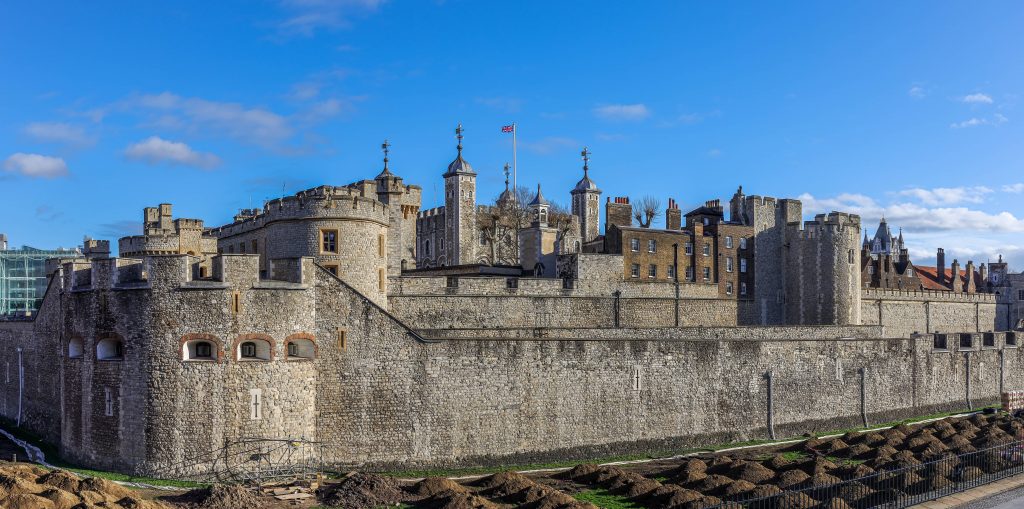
(508, 128)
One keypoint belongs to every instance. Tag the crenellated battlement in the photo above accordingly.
(324, 202)
(182, 271)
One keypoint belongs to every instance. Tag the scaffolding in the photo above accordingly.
(23, 278)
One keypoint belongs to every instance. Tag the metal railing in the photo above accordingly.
(901, 487)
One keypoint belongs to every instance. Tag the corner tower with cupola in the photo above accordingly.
(460, 209)
(586, 202)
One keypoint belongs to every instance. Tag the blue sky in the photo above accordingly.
(910, 109)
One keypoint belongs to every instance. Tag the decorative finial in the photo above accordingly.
(586, 160)
(385, 147)
(506, 176)
(458, 134)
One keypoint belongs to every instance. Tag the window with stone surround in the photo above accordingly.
(199, 350)
(254, 349)
(743, 288)
(381, 279)
(634, 245)
(332, 268)
(728, 288)
(966, 341)
(110, 349)
(939, 342)
(241, 247)
(76, 348)
(728, 241)
(634, 270)
(652, 271)
(707, 273)
(652, 246)
(255, 246)
(670, 271)
(342, 339)
(380, 245)
(1020, 294)
(707, 249)
(743, 242)
(689, 248)
(300, 347)
(743, 265)
(728, 264)
(1011, 339)
(328, 241)
(255, 404)
(689, 274)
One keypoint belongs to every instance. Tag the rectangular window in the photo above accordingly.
(1020, 294)
(328, 241)
(910, 272)
(231, 249)
(707, 273)
(652, 271)
(440, 244)
(255, 247)
(1011, 339)
(381, 279)
(670, 272)
(728, 288)
(728, 264)
(743, 242)
(652, 246)
(380, 245)
(988, 339)
(452, 282)
(689, 248)
(255, 404)
(108, 402)
(236, 302)
(636, 379)
(634, 270)
(743, 288)
(342, 339)
(707, 249)
(871, 269)
(966, 341)
(333, 269)
(241, 247)
(634, 245)
(689, 273)
(939, 342)
(743, 265)
(728, 241)
(512, 283)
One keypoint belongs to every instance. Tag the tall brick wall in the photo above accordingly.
(904, 312)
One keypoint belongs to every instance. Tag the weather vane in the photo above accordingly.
(458, 134)
(385, 147)
(586, 159)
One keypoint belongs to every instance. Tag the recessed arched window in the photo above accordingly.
(300, 346)
(200, 348)
(110, 349)
(76, 348)
(254, 348)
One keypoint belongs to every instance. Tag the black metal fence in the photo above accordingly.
(902, 487)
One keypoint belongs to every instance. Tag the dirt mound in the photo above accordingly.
(105, 487)
(755, 473)
(823, 479)
(712, 483)
(818, 465)
(778, 462)
(737, 487)
(434, 485)
(764, 490)
(60, 479)
(61, 499)
(873, 438)
(220, 496)
(795, 500)
(835, 446)
(687, 478)
(672, 496)
(792, 479)
(504, 484)
(835, 503)
(456, 501)
(359, 491)
(26, 501)
(579, 472)
(854, 491)
(693, 465)
(719, 465)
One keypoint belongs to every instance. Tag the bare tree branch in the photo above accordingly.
(647, 209)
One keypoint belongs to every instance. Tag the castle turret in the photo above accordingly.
(403, 203)
(586, 202)
(537, 244)
(829, 294)
(460, 209)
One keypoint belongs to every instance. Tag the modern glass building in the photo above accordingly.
(23, 277)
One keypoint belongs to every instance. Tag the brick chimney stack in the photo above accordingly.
(940, 265)
(619, 212)
(673, 216)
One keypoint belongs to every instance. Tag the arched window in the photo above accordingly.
(110, 349)
(198, 347)
(300, 346)
(76, 348)
(253, 347)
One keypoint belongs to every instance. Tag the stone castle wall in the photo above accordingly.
(381, 393)
(905, 312)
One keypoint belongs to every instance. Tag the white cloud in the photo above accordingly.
(246, 124)
(915, 217)
(917, 92)
(36, 166)
(156, 150)
(1014, 188)
(622, 112)
(308, 16)
(59, 132)
(978, 98)
(996, 119)
(549, 144)
(948, 195)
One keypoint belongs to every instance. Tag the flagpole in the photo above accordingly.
(515, 173)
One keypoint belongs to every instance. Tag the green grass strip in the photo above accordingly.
(606, 500)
